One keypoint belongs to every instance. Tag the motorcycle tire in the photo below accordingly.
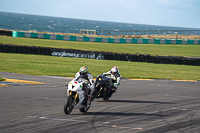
(86, 108)
(93, 96)
(108, 96)
(69, 105)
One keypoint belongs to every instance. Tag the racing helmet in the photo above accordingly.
(83, 71)
(114, 70)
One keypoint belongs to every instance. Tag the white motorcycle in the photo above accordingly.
(77, 91)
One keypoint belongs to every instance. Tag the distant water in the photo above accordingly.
(15, 21)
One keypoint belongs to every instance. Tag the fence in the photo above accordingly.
(139, 32)
(104, 39)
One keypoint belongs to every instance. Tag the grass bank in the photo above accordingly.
(64, 66)
(153, 49)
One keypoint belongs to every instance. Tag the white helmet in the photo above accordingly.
(114, 70)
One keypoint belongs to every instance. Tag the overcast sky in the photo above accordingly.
(179, 13)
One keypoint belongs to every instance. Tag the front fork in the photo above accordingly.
(75, 97)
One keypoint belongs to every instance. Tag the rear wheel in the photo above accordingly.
(69, 105)
(92, 97)
(106, 97)
(85, 108)
(109, 94)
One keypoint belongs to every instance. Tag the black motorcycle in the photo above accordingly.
(103, 87)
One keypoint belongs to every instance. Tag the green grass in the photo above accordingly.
(2, 79)
(153, 49)
(64, 66)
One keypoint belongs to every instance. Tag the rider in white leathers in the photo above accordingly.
(115, 75)
(84, 73)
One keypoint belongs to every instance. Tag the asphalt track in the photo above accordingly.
(159, 106)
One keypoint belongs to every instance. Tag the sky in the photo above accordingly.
(178, 13)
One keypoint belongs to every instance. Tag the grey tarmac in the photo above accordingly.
(139, 106)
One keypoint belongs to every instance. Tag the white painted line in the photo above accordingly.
(183, 109)
(57, 119)
(174, 108)
(106, 122)
(100, 123)
(47, 98)
(122, 127)
(180, 96)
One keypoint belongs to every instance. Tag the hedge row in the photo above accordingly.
(153, 59)
(7, 48)
(5, 33)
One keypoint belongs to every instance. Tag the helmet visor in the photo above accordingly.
(82, 74)
(113, 72)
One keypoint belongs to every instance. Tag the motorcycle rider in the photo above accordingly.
(115, 75)
(84, 73)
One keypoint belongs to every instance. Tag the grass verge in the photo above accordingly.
(64, 66)
(2, 79)
(153, 49)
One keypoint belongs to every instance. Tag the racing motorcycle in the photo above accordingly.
(103, 87)
(77, 92)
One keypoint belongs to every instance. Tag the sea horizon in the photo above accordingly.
(40, 23)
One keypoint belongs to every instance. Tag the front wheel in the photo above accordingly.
(69, 105)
